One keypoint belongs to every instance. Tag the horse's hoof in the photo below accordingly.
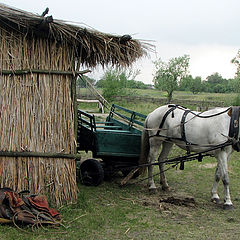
(228, 207)
(152, 190)
(215, 200)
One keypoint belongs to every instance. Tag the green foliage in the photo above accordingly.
(236, 61)
(136, 84)
(168, 75)
(119, 82)
(111, 84)
(234, 85)
(214, 83)
(236, 101)
(236, 81)
(191, 84)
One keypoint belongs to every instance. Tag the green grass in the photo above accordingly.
(131, 212)
(112, 212)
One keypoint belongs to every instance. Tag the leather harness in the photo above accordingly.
(233, 129)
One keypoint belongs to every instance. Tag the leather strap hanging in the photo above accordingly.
(172, 108)
(183, 133)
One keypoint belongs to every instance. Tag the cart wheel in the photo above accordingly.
(91, 172)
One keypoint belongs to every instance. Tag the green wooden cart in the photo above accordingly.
(115, 143)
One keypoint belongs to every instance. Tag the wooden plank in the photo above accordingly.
(113, 131)
(100, 106)
(109, 127)
(75, 108)
(128, 177)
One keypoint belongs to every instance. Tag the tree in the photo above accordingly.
(195, 84)
(234, 85)
(111, 84)
(168, 75)
(236, 61)
(217, 83)
(184, 84)
(115, 82)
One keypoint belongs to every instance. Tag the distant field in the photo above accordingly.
(146, 107)
(226, 97)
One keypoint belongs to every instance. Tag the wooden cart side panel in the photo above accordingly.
(117, 144)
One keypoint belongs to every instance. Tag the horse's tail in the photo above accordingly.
(145, 147)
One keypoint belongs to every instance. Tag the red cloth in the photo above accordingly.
(41, 203)
(14, 199)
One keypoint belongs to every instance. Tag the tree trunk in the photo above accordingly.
(170, 96)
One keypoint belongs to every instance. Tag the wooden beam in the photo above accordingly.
(27, 71)
(100, 106)
(38, 154)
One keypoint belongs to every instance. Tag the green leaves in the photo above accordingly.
(168, 75)
(118, 82)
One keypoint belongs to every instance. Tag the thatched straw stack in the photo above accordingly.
(36, 116)
(38, 60)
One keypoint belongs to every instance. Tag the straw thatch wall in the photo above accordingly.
(39, 57)
(36, 116)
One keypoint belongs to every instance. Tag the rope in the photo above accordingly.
(38, 222)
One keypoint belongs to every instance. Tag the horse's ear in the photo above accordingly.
(230, 112)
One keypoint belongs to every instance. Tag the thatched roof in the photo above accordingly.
(91, 47)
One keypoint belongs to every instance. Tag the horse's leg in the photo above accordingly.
(223, 157)
(215, 198)
(154, 148)
(166, 147)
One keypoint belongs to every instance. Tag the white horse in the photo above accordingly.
(195, 132)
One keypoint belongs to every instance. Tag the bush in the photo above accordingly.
(236, 101)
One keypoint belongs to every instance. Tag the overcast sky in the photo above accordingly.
(206, 30)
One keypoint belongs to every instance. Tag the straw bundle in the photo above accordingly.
(37, 116)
